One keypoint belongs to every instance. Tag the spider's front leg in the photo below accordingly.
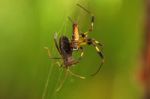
(92, 23)
(92, 17)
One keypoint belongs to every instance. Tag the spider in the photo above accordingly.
(66, 47)
(81, 39)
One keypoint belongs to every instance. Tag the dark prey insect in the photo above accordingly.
(81, 39)
(65, 51)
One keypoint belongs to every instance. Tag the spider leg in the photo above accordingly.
(100, 54)
(82, 53)
(76, 75)
(91, 24)
(92, 17)
(84, 35)
(97, 42)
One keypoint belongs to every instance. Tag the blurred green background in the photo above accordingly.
(27, 26)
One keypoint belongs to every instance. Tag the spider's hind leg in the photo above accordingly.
(94, 43)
